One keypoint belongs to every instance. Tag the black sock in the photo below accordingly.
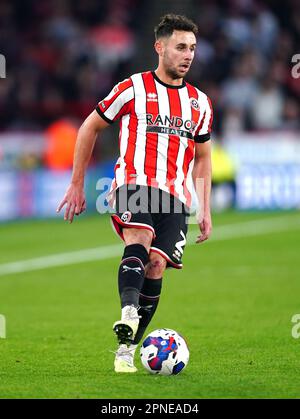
(131, 274)
(148, 302)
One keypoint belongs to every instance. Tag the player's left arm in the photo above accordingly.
(202, 183)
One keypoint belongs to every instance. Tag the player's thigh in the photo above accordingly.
(170, 240)
(132, 220)
(137, 236)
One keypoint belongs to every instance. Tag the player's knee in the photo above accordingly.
(137, 236)
(156, 266)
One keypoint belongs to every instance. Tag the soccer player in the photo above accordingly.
(164, 141)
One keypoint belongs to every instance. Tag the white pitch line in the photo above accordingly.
(226, 232)
(252, 228)
(61, 259)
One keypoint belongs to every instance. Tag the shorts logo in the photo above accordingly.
(126, 217)
(194, 104)
(177, 254)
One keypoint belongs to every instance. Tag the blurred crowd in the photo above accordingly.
(244, 54)
(63, 56)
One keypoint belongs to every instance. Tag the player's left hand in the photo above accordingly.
(205, 226)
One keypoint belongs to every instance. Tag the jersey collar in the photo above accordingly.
(170, 86)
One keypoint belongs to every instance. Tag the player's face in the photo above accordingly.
(177, 53)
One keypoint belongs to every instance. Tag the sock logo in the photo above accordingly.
(128, 268)
(147, 308)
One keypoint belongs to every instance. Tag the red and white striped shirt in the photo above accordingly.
(159, 125)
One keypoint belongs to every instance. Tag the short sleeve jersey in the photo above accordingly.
(159, 126)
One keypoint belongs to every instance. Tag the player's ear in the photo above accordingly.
(159, 47)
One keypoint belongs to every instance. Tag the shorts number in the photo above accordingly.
(181, 243)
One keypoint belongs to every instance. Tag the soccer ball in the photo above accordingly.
(164, 352)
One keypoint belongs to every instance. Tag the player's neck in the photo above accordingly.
(165, 78)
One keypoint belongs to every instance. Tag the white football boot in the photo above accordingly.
(126, 328)
(124, 360)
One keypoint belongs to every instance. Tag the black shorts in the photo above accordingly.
(155, 210)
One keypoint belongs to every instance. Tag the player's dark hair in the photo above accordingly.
(171, 22)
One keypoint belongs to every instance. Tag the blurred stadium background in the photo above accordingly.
(62, 57)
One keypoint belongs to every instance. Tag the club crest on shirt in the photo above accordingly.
(194, 103)
(126, 217)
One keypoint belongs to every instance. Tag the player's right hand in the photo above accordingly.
(75, 200)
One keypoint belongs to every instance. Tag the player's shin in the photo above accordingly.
(148, 302)
(131, 279)
(131, 274)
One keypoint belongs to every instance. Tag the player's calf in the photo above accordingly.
(131, 274)
(131, 278)
(148, 302)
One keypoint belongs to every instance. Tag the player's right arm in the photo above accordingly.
(74, 198)
(110, 109)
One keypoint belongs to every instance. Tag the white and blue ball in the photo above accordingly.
(164, 352)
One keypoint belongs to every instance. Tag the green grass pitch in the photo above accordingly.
(233, 301)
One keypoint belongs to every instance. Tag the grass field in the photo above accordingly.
(233, 301)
